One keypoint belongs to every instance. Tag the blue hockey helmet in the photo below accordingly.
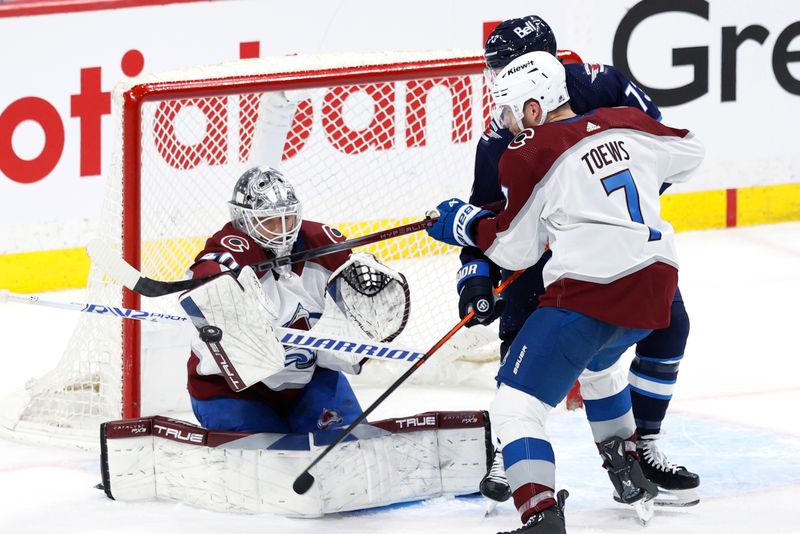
(515, 37)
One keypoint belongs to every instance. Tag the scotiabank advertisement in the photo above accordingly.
(721, 68)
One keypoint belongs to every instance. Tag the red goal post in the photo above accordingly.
(372, 141)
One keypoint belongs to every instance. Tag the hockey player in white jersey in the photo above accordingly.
(654, 368)
(585, 187)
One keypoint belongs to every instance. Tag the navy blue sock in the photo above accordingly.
(654, 370)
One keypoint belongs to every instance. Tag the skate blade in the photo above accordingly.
(645, 509)
(490, 506)
(677, 498)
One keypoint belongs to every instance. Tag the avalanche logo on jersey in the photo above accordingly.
(328, 418)
(333, 233)
(593, 70)
(235, 243)
(520, 139)
(300, 357)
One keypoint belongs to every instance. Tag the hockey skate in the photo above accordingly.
(677, 485)
(549, 521)
(626, 475)
(494, 485)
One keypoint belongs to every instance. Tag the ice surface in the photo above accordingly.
(733, 419)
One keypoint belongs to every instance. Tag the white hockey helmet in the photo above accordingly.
(265, 207)
(533, 76)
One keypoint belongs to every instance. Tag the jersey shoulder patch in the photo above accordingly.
(229, 248)
(593, 70)
(315, 234)
(521, 138)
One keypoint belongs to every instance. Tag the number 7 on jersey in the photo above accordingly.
(624, 180)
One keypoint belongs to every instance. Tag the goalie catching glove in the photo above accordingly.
(247, 351)
(363, 299)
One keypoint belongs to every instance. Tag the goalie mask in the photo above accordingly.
(264, 206)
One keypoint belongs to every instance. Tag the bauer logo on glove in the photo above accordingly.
(455, 223)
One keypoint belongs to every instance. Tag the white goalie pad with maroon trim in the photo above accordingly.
(385, 462)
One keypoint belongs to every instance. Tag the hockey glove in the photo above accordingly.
(237, 309)
(454, 225)
(475, 293)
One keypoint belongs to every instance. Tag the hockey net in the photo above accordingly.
(374, 141)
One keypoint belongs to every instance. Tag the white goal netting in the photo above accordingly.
(370, 141)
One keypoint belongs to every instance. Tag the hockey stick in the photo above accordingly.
(109, 261)
(287, 336)
(305, 480)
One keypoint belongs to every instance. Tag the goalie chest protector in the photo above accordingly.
(298, 297)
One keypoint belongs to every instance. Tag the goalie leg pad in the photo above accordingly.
(417, 457)
(162, 458)
(387, 462)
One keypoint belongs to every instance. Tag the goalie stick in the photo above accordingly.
(109, 261)
(305, 480)
(287, 336)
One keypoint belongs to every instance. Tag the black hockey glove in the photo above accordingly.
(475, 293)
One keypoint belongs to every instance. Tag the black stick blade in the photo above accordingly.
(303, 483)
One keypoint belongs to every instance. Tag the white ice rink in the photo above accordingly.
(734, 419)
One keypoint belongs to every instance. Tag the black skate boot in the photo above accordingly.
(494, 485)
(678, 485)
(549, 521)
(630, 484)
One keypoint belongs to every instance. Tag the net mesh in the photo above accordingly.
(363, 157)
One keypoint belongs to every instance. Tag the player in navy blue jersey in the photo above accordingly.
(654, 369)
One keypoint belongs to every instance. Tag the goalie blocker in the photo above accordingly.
(384, 462)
